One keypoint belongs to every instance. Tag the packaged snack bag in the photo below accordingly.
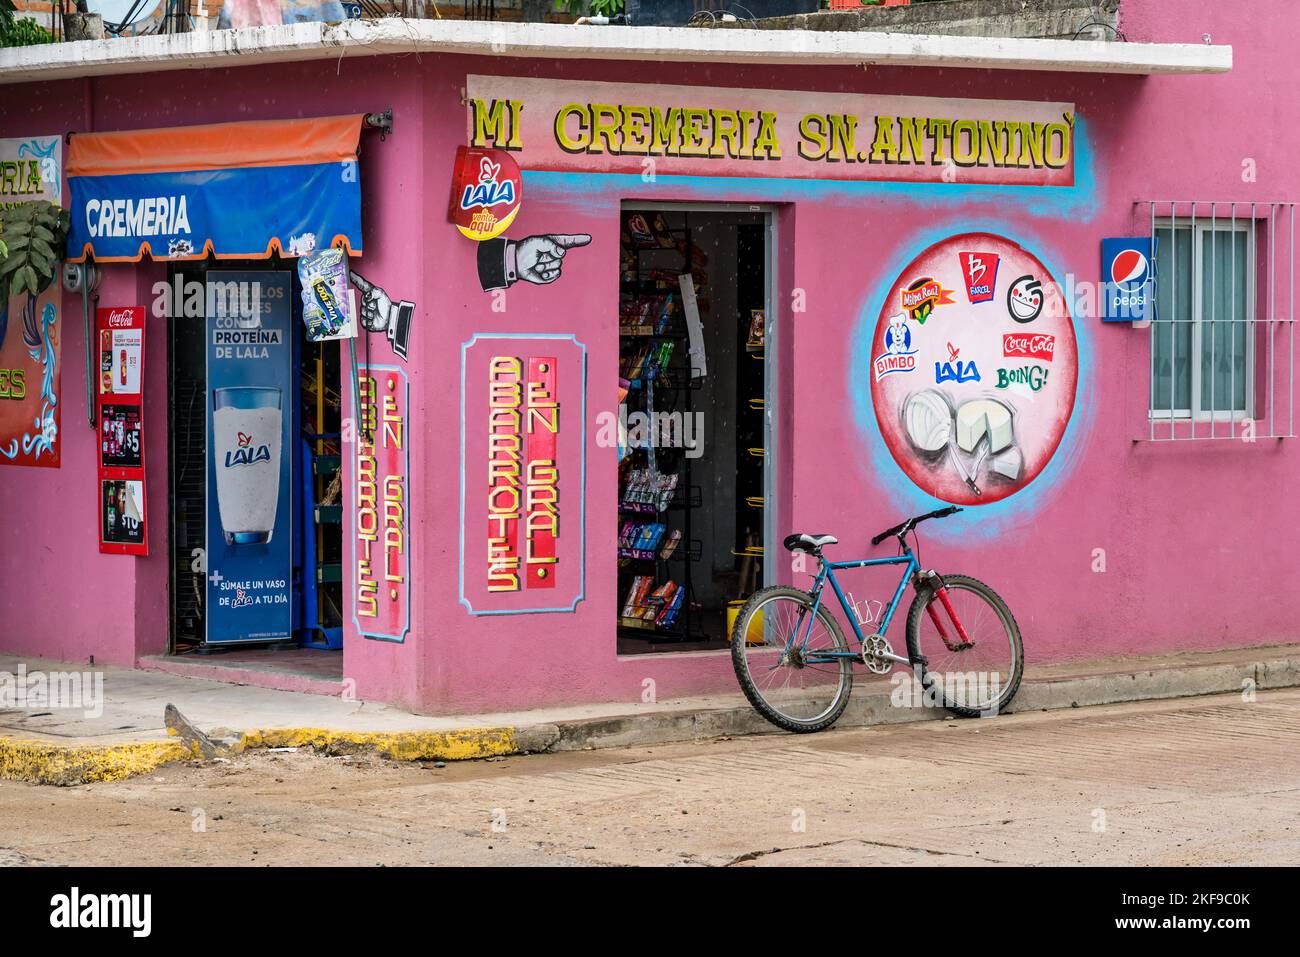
(326, 298)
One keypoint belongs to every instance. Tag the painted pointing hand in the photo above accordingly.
(538, 258)
(376, 306)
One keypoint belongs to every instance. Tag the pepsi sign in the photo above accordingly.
(1128, 280)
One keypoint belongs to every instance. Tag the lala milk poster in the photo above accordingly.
(251, 398)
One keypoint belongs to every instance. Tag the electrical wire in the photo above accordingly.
(1105, 26)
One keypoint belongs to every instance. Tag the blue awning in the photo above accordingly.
(237, 190)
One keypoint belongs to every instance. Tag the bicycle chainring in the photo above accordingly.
(874, 650)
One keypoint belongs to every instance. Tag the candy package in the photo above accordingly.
(327, 309)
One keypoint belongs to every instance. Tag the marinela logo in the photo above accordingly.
(246, 453)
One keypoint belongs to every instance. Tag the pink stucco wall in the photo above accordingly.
(1194, 535)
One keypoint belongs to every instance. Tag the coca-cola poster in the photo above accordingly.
(119, 408)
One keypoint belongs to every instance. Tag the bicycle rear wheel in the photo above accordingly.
(973, 677)
(793, 687)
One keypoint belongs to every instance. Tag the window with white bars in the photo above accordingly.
(1222, 345)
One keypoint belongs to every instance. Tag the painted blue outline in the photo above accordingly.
(582, 497)
(984, 521)
(356, 478)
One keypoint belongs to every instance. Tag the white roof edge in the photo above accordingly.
(312, 41)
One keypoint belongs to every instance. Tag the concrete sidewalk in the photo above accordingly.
(68, 746)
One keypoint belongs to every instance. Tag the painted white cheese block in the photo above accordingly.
(1008, 463)
(980, 417)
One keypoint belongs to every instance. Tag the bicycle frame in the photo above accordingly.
(827, 574)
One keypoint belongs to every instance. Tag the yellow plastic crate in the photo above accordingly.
(754, 636)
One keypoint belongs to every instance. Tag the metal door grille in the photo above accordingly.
(1225, 292)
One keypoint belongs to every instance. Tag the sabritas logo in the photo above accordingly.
(920, 298)
(981, 272)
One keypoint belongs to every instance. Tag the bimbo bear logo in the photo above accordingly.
(246, 453)
(900, 355)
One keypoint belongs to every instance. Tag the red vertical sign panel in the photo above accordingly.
(123, 529)
(505, 454)
(541, 473)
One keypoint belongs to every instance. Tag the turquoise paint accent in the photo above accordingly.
(977, 522)
(595, 193)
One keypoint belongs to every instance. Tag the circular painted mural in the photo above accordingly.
(973, 368)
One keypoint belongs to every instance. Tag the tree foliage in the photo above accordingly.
(34, 237)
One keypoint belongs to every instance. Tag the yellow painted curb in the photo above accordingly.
(41, 762)
(460, 745)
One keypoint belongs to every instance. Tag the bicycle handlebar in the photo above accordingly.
(902, 528)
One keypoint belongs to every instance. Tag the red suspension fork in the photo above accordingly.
(965, 642)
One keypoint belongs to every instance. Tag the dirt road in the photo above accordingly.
(1193, 781)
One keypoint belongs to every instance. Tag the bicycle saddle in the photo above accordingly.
(800, 541)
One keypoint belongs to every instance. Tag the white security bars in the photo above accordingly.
(1223, 341)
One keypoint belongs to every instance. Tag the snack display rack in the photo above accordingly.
(656, 551)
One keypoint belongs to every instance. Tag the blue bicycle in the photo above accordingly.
(796, 668)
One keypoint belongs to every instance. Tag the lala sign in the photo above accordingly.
(382, 545)
(486, 189)
(523, 473)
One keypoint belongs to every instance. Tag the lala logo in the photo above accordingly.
(981, 272)
(920, 298)
(488, 191)
(245, 453)
(954, 370)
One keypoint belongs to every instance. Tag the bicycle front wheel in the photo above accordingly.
(784, 667)
(971, 675)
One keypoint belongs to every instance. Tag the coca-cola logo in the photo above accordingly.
(120, 318)
(1019, 346)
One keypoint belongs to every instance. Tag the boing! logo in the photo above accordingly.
(246, 453)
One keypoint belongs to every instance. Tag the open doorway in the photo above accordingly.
(695, 412)
(298, 567)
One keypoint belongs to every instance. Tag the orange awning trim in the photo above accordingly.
(215, 146)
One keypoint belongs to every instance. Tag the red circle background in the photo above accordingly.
(976, 330)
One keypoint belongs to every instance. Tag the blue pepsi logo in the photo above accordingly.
(1129, 269)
